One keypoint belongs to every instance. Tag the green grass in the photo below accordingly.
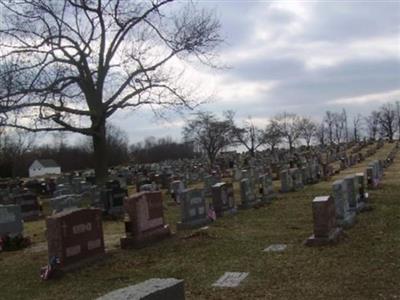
(364, 266)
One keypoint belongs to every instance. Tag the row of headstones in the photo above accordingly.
(77, 235)
(109, 199)
(28, 204)
(332, 214)
(349, 197)
(294, 179)
(79, 193)
(194, 207)
(146, 220)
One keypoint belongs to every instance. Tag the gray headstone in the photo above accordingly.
(11, 220)
(286, 181)
(247, 193)
(152, 289)
(193, 209)
(344, 216)
(352, 191)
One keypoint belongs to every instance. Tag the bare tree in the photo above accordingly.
(320, 134)
(272, 135)
(372, 122)
(339, 127)
(209, 133)
(357, 127)
(14, 145)
(289, 126)
(329, 121)
(69, 65)
(308, 130)
(387, 120)
(248, 135)
(346, 126)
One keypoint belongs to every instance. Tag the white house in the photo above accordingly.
(42, 167)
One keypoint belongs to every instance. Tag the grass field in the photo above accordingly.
(366, 265)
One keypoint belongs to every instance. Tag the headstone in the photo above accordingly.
(113, 198)
(29, 203)
(362, 193)
(75, 236)
(247, 194)
(63, 189)
(223, 199)
(152, 289)
(352, 192)
(324, 219)
(11, 223)
(209, 181)
(65, 202)
(286, 181)
(373, 175)
(145, 223)
(193, 209)
(296, 179)
(371, 182)
(344, 217)
(266, 188)
(230, 279)
(177, 188)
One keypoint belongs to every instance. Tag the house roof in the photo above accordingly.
(48, 163)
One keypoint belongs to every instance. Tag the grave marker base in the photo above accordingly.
(248, 205)
(348, 221)
(332, 239)
(227, 212)
(193, 224)
(83, 263)
(145, 238)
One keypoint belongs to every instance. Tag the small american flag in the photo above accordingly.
(47, 271)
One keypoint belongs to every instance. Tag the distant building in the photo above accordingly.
(42, 167)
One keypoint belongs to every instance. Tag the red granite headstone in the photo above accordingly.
(75, 236)
(145, 223)
(324, 217)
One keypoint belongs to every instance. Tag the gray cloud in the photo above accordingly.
(316, 54)
(353, 20)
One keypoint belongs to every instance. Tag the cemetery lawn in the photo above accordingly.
(366, 265)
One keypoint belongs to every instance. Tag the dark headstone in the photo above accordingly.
(223, 199)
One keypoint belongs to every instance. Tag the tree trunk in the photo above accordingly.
(252, 152)
(100, 155)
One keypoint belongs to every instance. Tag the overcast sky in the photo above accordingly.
(304, 57)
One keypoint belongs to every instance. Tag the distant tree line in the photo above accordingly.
(156, 150)
(18, 149)
(210, 134)
(204, 135)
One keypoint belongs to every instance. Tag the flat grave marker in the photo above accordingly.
(230, 279)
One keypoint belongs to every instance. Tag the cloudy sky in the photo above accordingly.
(296, 56)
